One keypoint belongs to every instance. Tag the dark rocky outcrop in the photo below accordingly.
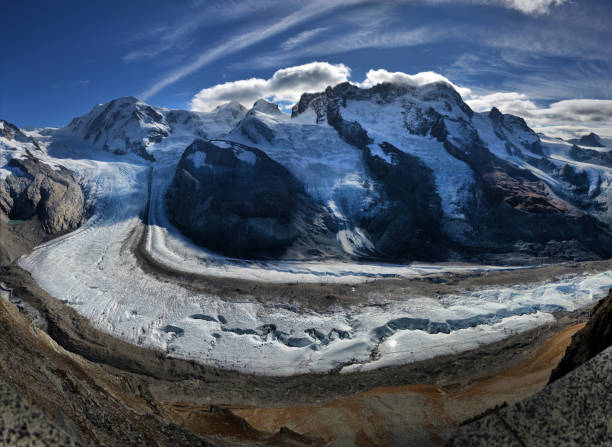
(500, 180)
(594, 338)
(574, 410)
(409, 226)
(236, 200)
(516, 133)
(38, 190)
(37, 202)
(592, 140)
(591, 156)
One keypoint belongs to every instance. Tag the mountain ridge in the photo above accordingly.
(403, 172)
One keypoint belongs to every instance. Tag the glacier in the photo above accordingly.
(96, 271)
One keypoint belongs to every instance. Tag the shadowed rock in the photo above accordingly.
(589, 341)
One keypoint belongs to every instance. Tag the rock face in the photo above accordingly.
(35, 190)
(22, 425)
(592, 140)
(591, 156)
(236, 200)
(574, 410)
(409, 225)
(37, 201)
(594, 338)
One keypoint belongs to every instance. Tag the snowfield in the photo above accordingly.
(95, 271)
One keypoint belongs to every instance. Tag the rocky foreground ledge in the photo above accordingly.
(574, 409)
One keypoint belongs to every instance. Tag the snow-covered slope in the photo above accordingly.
(128, 125)
(13, 144)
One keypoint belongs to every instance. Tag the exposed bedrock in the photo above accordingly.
(594, 338)
(37, 202)
(409, 226)
(591, 156)
(513, 206)
(237, 201)
(592, 140)
(34, 189)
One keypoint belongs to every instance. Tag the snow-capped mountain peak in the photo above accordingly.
(232, 110)
(264, 106)
(123, 125)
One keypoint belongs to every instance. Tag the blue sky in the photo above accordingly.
(527, 56)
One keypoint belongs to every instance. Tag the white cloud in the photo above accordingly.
(562, 118)
(530, 6)
(570, 110)
(581, 110)
(534, 7)
(507, 102)
(574, 116)
(286, 84)
(380, 75)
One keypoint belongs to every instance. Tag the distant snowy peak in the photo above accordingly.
(591, 140)
(256, 124)
(515, 133)
(265, 106)
(11, 133)
(438, 96)
(122, 126)
(231, 111)
(128, 125)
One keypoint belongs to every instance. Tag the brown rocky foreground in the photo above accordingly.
(575, 409)
(417, 414)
